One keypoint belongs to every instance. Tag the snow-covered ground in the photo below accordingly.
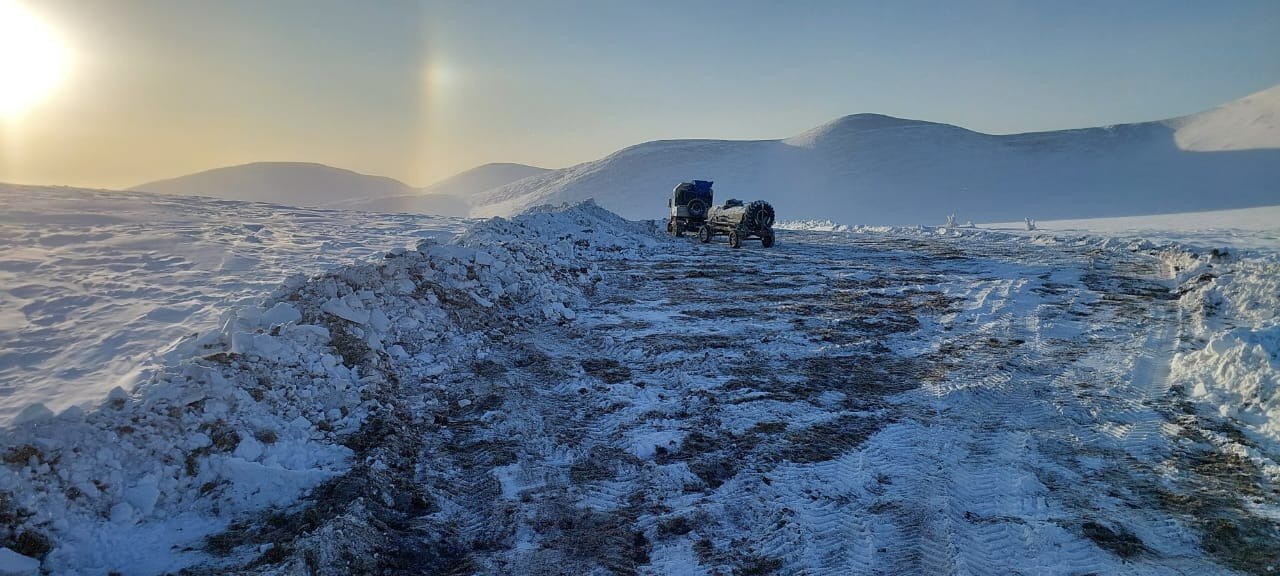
(94, 285)
(1255, 229)
(569, 392)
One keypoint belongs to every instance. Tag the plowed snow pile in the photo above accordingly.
(569, 392)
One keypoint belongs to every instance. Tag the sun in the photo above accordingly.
(33, 59)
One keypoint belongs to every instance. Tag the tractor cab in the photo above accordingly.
(689, 204)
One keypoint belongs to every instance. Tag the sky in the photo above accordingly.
(419, 91)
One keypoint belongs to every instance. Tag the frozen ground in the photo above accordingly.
(94, 284)
(567, 392)
(1250, 229)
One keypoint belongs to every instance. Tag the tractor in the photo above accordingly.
(689, 203)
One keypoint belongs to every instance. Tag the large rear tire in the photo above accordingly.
(759, 215)
(704, 234)
(697, 208)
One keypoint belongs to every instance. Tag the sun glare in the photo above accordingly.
(32, 59)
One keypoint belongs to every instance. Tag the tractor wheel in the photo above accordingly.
(766, 239)
(704, 234)
(671, 226)
(759, 215)
(679, 228)
(735, 241)
(697, 208)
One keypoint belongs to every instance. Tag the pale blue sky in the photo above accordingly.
(421, 90)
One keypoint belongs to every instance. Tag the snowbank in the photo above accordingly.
(255, 414)
(811, 225)
(1231, 315)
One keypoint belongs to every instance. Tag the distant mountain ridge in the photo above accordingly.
(861, 168)
(318, 185)
(290, 183)
(449, 197)
(871, 168)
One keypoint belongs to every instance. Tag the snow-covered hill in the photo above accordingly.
(864, 168)
(877, 169)
(288, 183)
(1250, 123)
(450, 197)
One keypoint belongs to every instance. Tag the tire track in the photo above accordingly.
(863, 405)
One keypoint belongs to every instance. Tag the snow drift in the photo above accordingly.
(256, 413)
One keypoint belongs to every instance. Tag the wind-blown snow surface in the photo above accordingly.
(95, 286)
(567, 392)
(1249, 229)
(868, 168)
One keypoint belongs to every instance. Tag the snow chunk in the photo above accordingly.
(15, 564)
(72, 413)
(348, 308)
(249, 448)
(33, 413)
(281, 313)
(143, 495)
(379, 321)
(117, 394)
(263, 345)
(122, 513)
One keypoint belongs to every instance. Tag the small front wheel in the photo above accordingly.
(735, 241)
(766, 240)
(704, 234)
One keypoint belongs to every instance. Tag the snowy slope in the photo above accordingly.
(568, 392)
(1250, 123)
(864, 168)
(483, 178)
(875, 169)
(95, 285)
(289, 183)
(450, 197)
